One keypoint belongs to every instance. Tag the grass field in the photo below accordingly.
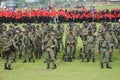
(75, 70)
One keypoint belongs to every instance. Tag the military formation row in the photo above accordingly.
(30, 42)
(39, 15)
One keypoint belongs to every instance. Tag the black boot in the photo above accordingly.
(44, 61)
(71, 59)
(93, 59)
(5, 67)
(110, 60)
(29, 60)
(33, 61)
(108, 66)
(88, 60)
(102, 66)
(14, 59)
(9, 67)
(48, 66)
(24, 61)
(54, 66)
(20, 56)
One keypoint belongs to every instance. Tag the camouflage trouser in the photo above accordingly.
(60, 43)
(112, 47)
(20, 50)
(70, 51)
(38, 51)
(50, 56)
(8, 58)
(27, 53)
(104, 56)
(90, 51)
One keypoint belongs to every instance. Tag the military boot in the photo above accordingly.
(29, 59)
(33, 61)
(5, 66)
(108, 66)
(20, 56)
(54, 66)
(93, 60)
(24, 61)
(9, 67)
(110, 60)
(48, 66)
(71, 59)
(14, 59)
(102, 66)
(88, 60)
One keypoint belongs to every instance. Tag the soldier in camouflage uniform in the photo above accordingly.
(50, 53)
(38, 42)
(83, 36)
(60, 32)
(7, 52)
(90, 42)
(27, 46)
(112, 39)
(104, 45)
(70, 42)
(33, 37)
(118, 35)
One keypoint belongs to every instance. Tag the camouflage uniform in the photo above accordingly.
(60, 32)
(70, 42)
(105, 49)
(38, 42)
(83, 36)
(90, 42)
(112, 41)
(27, 47)
(50, 56)
(6, 51)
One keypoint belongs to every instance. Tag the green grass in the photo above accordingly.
(75, 70)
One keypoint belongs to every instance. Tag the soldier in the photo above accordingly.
(83, 36)
(27, 46)
(105, 50)
(75, 33)
(118, 35)
(7, 51)
(112, 40)
(19, 43)
(60, 32)
(38, 42)
(50, 56)
(90, 42)
(33, 37)
(70, 42)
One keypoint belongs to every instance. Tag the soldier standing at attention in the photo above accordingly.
(7, 52)
(70, 41)
(104, 45)
(60, 33)
(90, 42)
(27, 46)
(50, 56)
